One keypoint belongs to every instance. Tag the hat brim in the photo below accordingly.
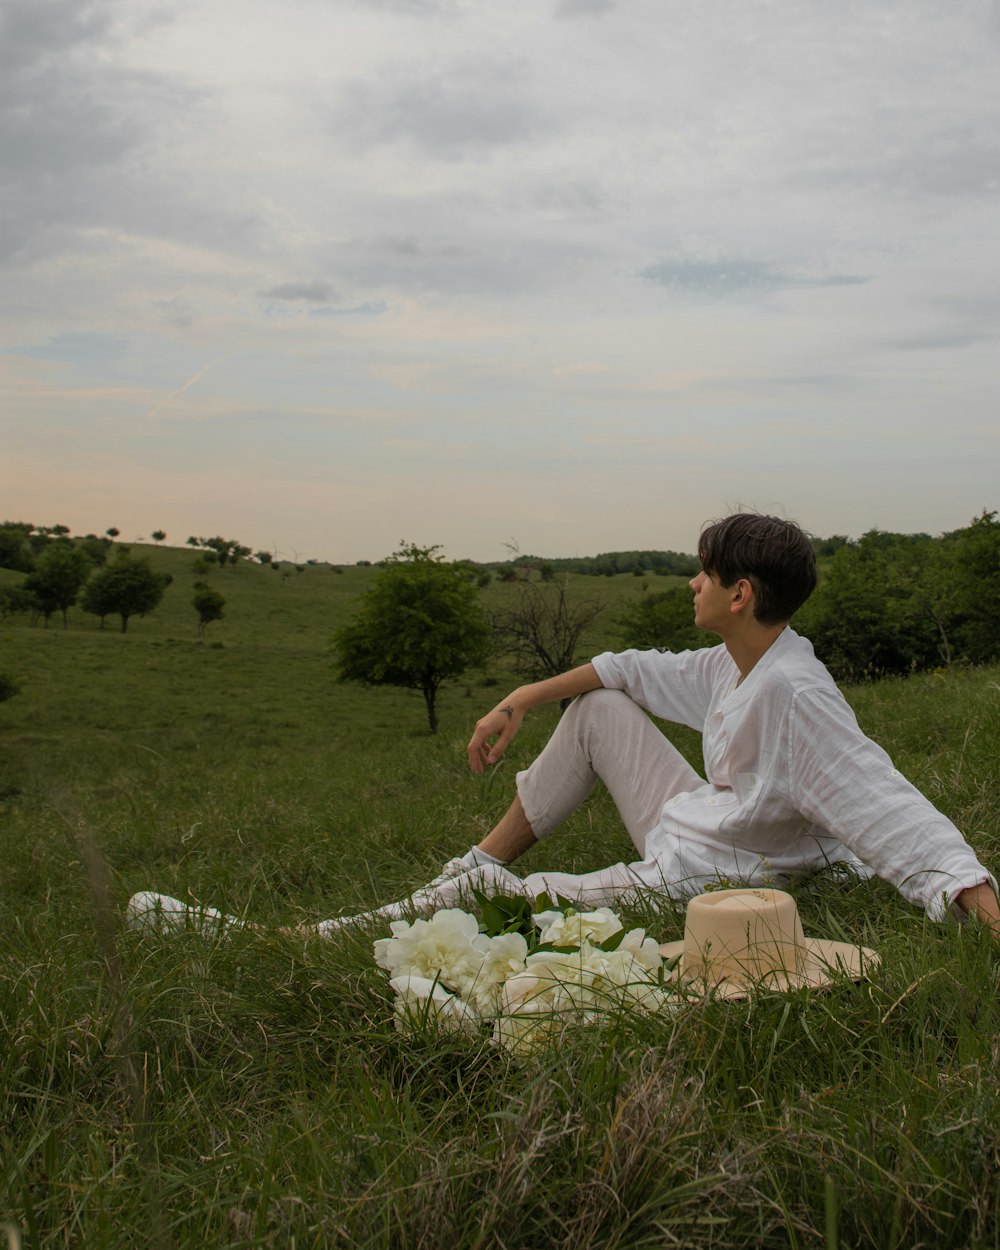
(823, 964)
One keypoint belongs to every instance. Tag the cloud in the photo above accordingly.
(571, 198)
(99, 350)
(450, 110)
(910, 156)
(309, 292)
(417, 8)
(482, 262)
(733, 276)
(942, 341)
(177, 312)
(583, 8)
(320, 294)
(32, 33)
(368, 309)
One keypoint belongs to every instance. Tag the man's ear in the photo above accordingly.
(742, 596)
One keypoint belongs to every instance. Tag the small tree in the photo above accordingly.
(226, 549)
(419, 624)
(208, 603)
(219, 546)
(55, 582)
(542, 629)
(96, 548)
(158, 536)
(126, 588)
(112, 532)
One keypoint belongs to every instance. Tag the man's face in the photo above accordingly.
(711, 602)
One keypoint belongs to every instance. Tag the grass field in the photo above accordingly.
(253, 1092)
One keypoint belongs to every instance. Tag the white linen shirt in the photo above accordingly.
(793, 784)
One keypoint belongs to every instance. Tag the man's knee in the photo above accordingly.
(599, 708)
(602, 702)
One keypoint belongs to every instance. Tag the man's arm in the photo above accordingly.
(505, 720)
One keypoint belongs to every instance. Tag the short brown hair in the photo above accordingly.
(776, 557)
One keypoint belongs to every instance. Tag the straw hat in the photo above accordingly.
(736, 940)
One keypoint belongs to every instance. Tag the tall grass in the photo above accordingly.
(253, 1092)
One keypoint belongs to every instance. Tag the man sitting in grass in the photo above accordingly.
(793, 785)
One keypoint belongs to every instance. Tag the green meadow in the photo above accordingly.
(184, 1091)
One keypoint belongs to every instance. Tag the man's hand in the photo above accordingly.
(981, 902)
(505, 720)
(501, 725)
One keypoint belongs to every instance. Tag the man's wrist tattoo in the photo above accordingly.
(508, 711)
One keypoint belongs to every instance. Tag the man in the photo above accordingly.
(791, 783)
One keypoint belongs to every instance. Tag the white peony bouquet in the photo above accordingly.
(520, 972)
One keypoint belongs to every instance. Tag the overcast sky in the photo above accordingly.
(321, 274)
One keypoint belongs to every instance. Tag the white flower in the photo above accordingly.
(532, 1005)
(623, 980)
(448, 948)
(420, 1001)
(504, 959)
(646, 950)
(571, 928)
(541, 979)
(552, 982)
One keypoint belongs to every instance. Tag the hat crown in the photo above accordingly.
(743, 935)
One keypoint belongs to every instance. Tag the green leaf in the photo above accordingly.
(545, 948)
(504, 913)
